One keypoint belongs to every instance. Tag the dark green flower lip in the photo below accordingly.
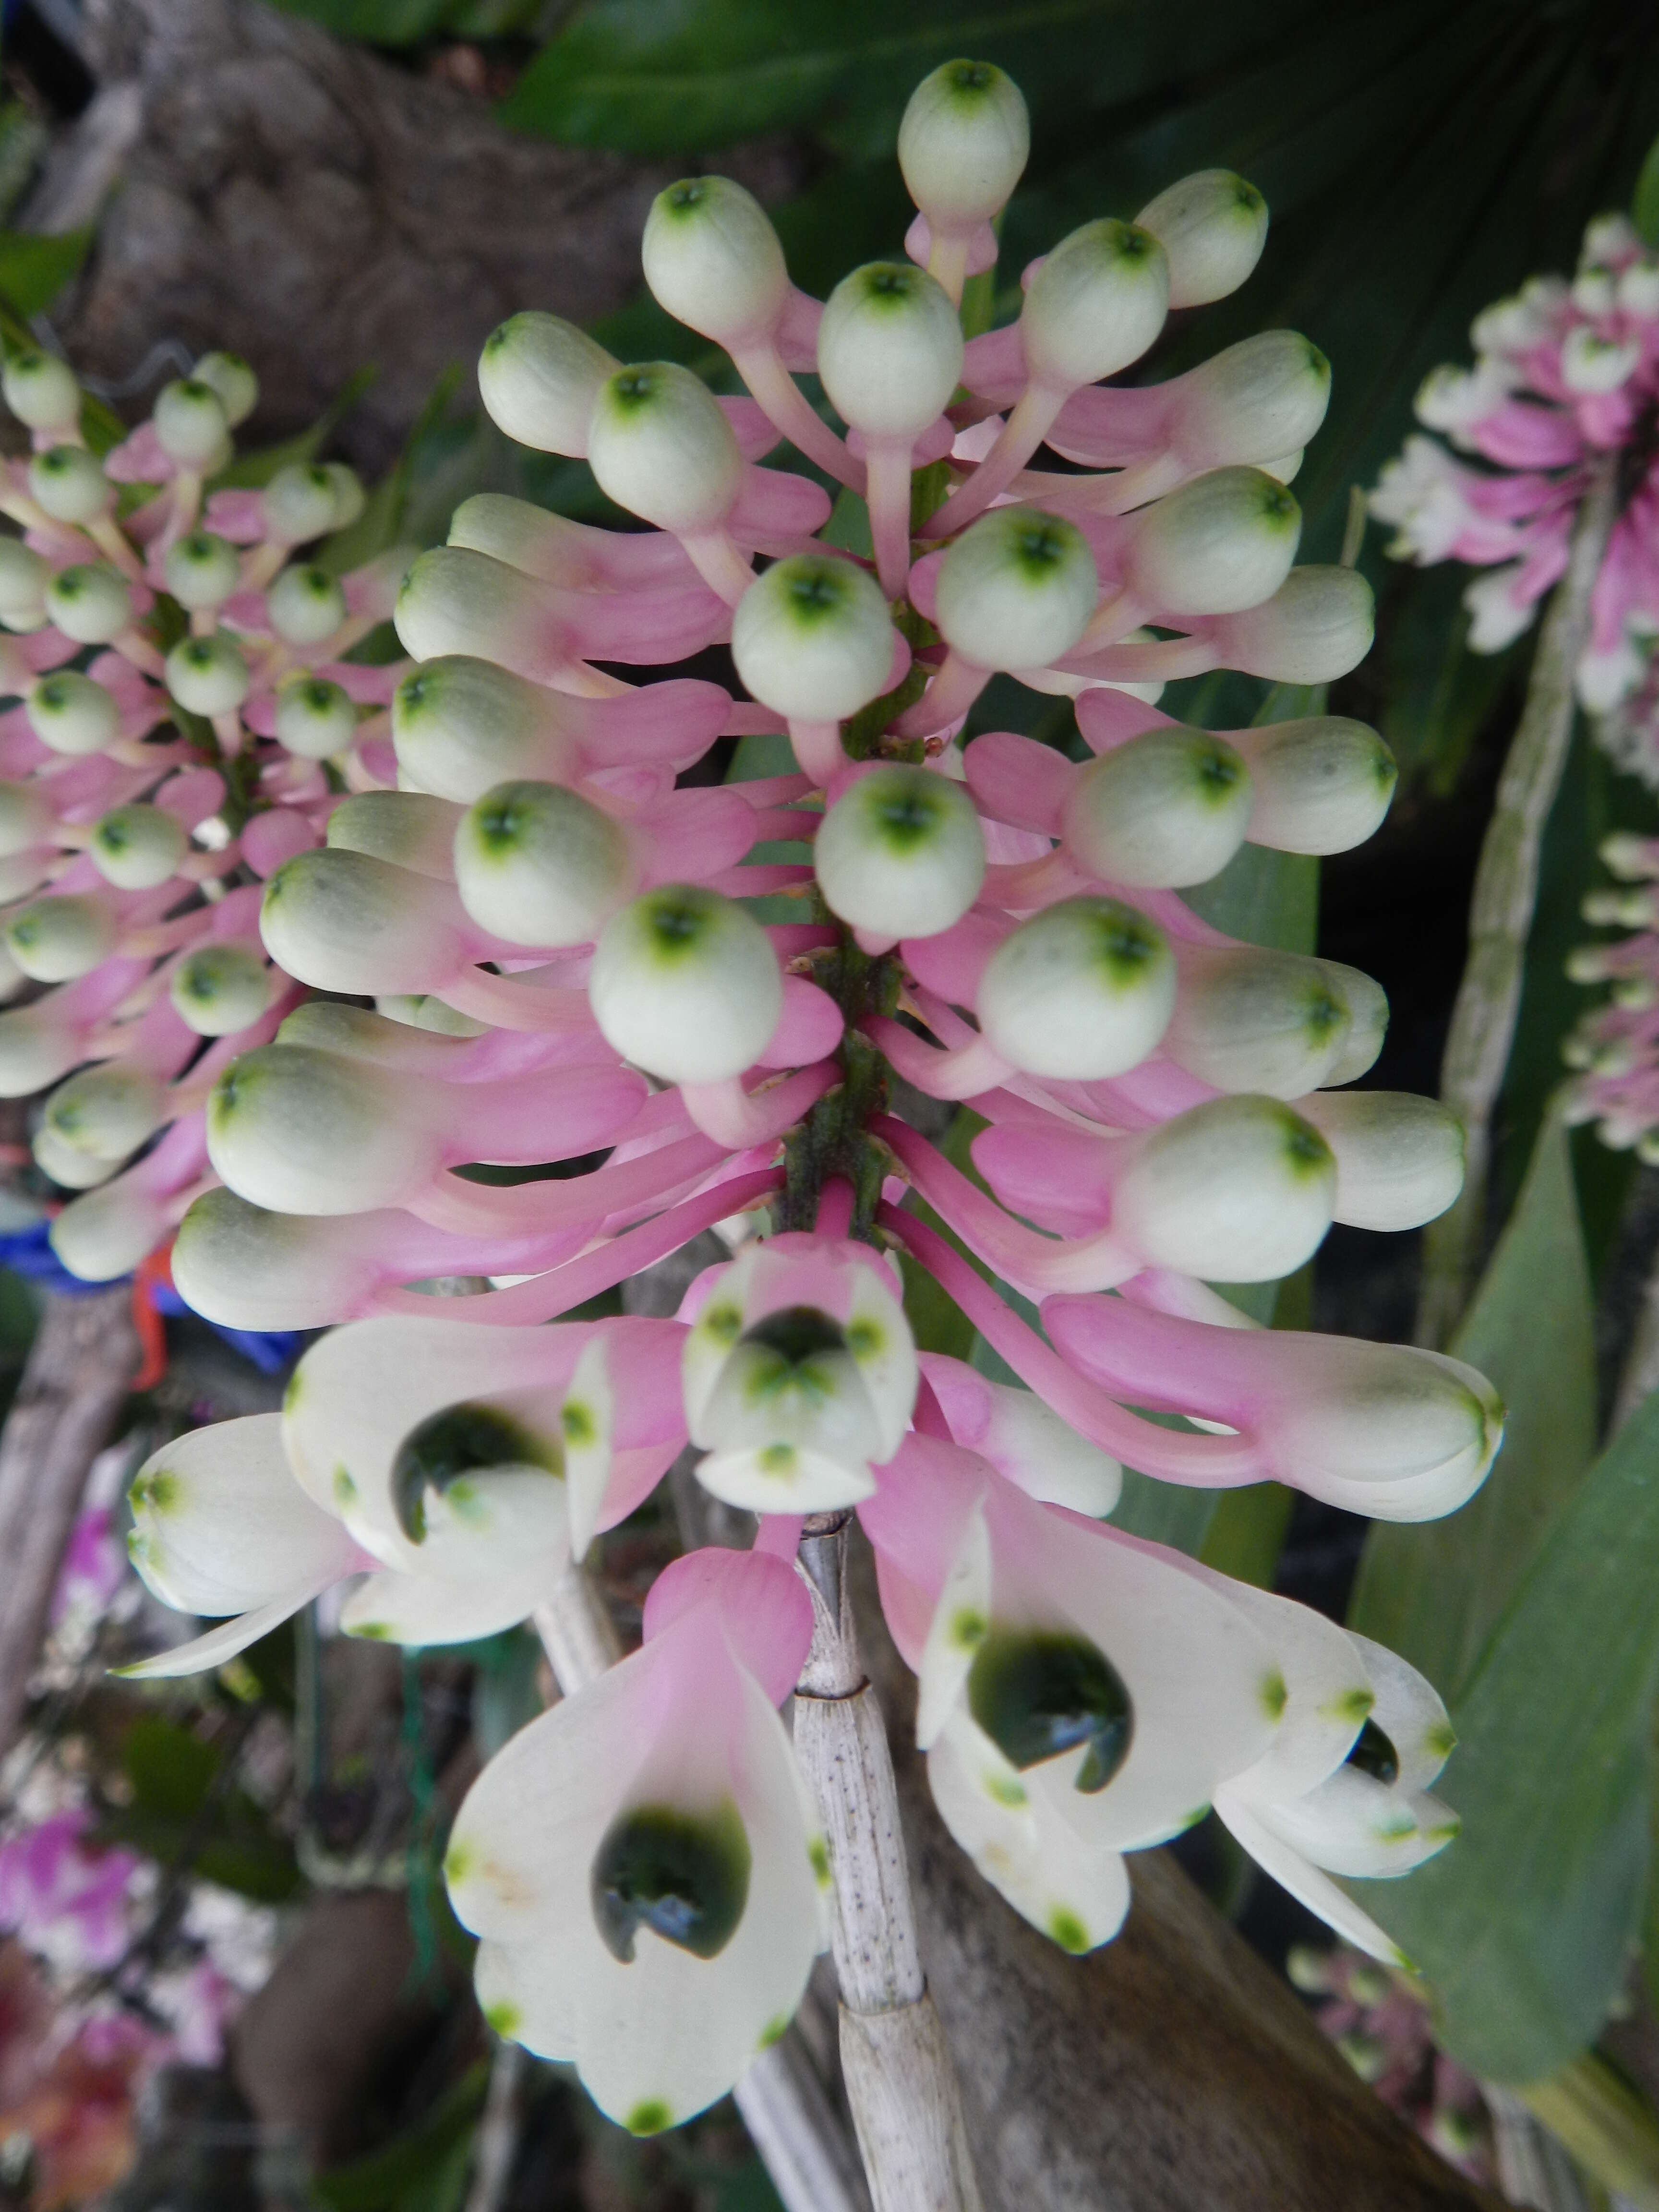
(1039, 1693)
(682, 1874)
(1373, 1753)
(469, 1438)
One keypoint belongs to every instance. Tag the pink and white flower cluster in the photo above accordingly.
(182, 696)
(566, 961)
(1615, 1048)
(1564, 374)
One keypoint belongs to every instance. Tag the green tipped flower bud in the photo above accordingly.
(1368, 1022)
(26, 817)
(1318, 625)
(660, 446)
(41, 390)
(1016, 589)
(347, 921)
(23, 578)
(208, 675)
(462, 726)
(1240, 1190)
(1212, 227)
(69, 482)
(55, 939)
(72, 714)
(889, 350)
(813, 638)
(1321, 785)
(190, 425)
(1095, 305)
(537, 865)
(221, 987)
(305, 1132)
(90, 604)
(1251, 1019)
(203, 570)
(900, 853)
(964, 142)
(1167, 809)
(137, 848)
(315, 718)
(539, 377)
(349, 497)
(300, 502)
(1221, 544)
(70, 1169)
(414, 1009)
(408, 827)
(107, 1112)
(686, 985)
(1399, 1158)
(305, 606)
(1256, 401)
(1083, 991)
(712, 259)
(232, 380)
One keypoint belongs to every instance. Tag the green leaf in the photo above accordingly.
(1247, 1532)
(178, 1812)
(381, 523)
(1525, 1924)
(1434, 1591)
(34, 268)
(1644, 201)
(423, 2169)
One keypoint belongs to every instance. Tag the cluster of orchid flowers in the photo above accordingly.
(1564, 375)
(1614, 1049)
(562, 962)
(186, 721)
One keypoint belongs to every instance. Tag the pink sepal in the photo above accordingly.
(982, 248)
(275, 836)
(1018, 780)
(759, 1602)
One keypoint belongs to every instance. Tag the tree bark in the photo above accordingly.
(80, 1367)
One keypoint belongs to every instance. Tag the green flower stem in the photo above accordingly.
(1500, 914)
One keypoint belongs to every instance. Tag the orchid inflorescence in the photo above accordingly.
(183, 697)
(564, 959)
(1566, 375)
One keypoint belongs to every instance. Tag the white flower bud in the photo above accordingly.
(410, 828)
(203, 570)
(454, 602)
(107, 1112)
(55, 939)
(659, 445)
(346, 921)
(41, 390)
(72, 714)
(1368, 1022)
(539, 377)
(1251, 1019)
(1095, 305)
(462, 726)
(900, 853)
(208, 675)
(964, 143)
(137, 848)
(889, 350)
(1239, 1190)
(228, 376)
(1080, 992)
(247, 1269)
(1321, 785)
(409, 1009)
(1398, 1157)
(36, 1048)
(1265, 396)
(90, 604)
(349, 497)
(1317, 626)
(109, 1231)
(1592, 364)
(72, 1169)
(813, 638)
(305, 606)
(686, 985)
(23, 578)
(300, 502)
(1016, 589)
(26, 817)
(1221, 544)
(1363, 1416)
(70, 484)
(190, 425)
(713, 260)
(305, 1132)
(1167, 809)
(221, 987)
(316, 718)
(1213, 225)
(536, 864)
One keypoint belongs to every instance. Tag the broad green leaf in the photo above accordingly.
(1524, 1925)
(1247, 1532)
(34, 267)
(1433, 1591)
(1437, 695)
(1265, 898)
(181, 1812)
(1645, 202)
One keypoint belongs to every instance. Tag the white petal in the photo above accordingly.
(1354, 1824)
(1316, 1890)
(221, 1525)
(225, 1641)
(710, 1341)
(1033, 1446)
(960, 1621)
(1410, 1713)
(390, 1607)
(522, 1993)
(880, 1340)
(785, 1477)
(587, 1418)
(1328, 1693)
